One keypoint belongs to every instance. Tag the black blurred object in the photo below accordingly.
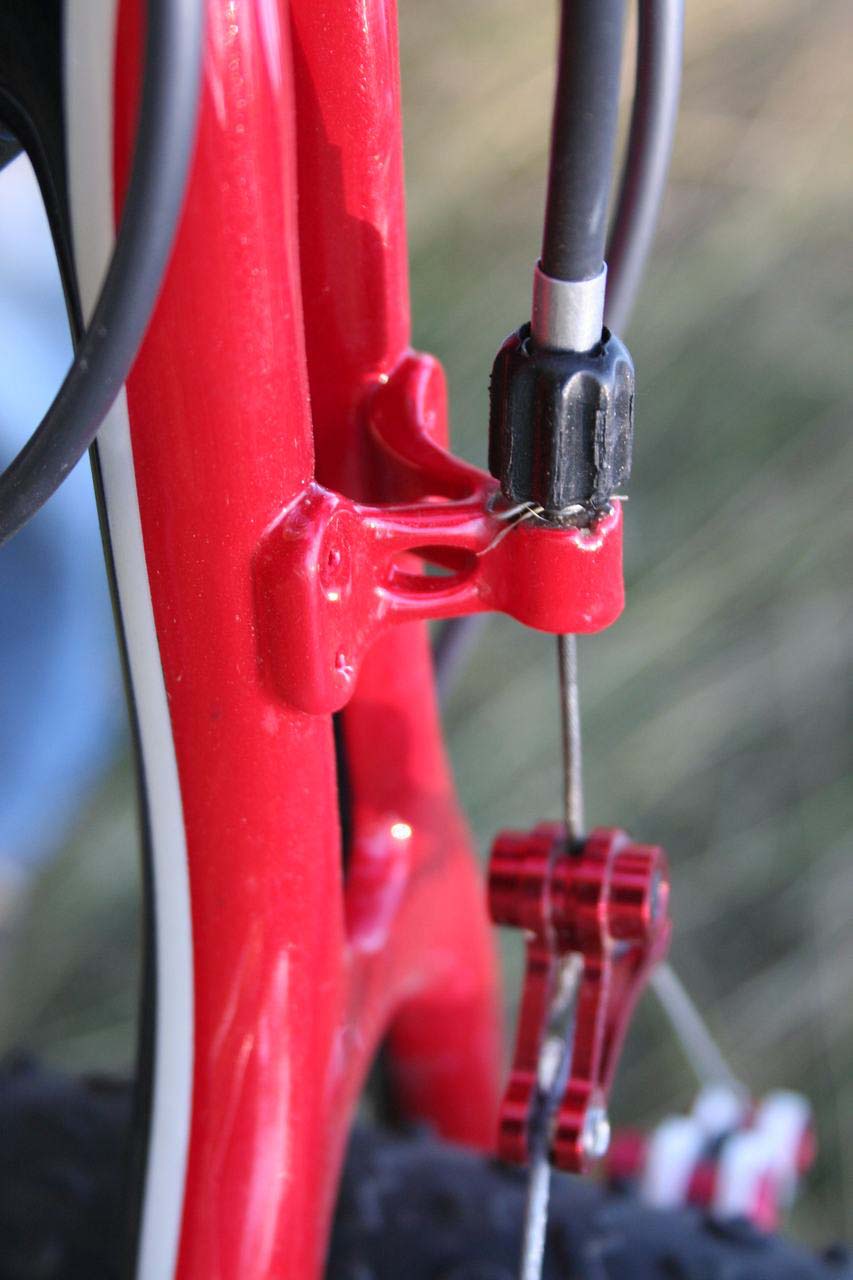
(416, 1208)
(410, 1208)
(62, 1157)
(561, 423)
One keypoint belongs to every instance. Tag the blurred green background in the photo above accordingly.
(717, 711)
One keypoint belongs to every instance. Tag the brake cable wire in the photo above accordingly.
(654, 112)
(556, 1050)
(104, 356)
(705, 1056)
(660, 38)
(571, 269)
(659, 56)
(573, 250)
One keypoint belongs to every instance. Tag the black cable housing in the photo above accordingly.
(583, 138)
(653, 119)
(106, 352)
(660, 39)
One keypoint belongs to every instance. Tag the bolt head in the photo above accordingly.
(595, 1138)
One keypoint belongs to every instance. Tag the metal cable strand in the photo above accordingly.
(583, 139)
(106, 352)
(535, 1217)
(693, 1033)
(582, 143)
(570, 724)
(556, 1054)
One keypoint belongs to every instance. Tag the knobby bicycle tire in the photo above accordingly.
(409, 1207)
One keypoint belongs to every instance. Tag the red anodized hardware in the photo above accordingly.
(606, 902)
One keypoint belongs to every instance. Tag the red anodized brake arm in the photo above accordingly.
(606, 903)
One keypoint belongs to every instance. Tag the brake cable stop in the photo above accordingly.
(561, 425)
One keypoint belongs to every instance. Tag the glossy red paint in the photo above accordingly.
(445, 1034)
(297, 977)
(334, 574)
(221, 433)
(606, 904)
(289, 274)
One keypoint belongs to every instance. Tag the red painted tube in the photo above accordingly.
(295, 982)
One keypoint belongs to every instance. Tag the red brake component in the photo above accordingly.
(333, 574)
(606, 902)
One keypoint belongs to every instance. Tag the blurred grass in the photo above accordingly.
(717, 711)
(70, 971)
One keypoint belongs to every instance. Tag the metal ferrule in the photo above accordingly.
(568, 315)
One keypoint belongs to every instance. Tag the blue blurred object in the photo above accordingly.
(61, 702)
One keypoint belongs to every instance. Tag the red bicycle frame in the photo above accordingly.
(278, 350)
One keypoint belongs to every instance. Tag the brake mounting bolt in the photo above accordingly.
(596, 1133)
